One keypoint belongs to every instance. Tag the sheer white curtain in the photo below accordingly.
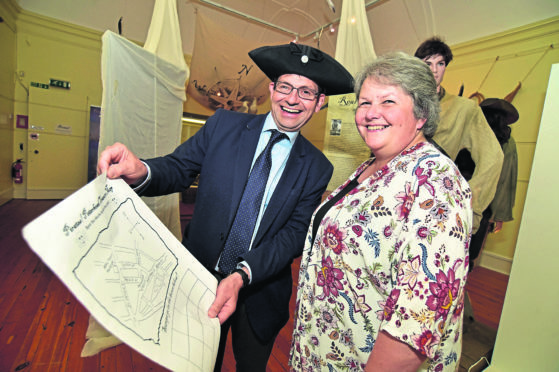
(143, 95)
(354, 45)
(354, 48)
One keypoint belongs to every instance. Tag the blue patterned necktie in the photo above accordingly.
(240, 236)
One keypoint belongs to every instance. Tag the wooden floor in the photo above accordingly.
(42, 326)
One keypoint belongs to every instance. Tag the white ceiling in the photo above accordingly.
(395, 24)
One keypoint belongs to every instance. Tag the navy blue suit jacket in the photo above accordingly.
(221, 152)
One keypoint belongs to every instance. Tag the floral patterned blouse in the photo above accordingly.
(391, 256)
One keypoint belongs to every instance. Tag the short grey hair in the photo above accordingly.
(414, 77)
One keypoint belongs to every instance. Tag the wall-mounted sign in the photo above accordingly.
(39, 85)
(63, 129)
(59, 83)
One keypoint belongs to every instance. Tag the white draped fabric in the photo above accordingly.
(143, 94)
(164, 37)
(354, 45)
(354, 48)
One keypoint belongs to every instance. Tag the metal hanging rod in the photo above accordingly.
(279, 28)
(231, 10)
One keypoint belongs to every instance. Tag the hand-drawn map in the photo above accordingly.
(131, 273)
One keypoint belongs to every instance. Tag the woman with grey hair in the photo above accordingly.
(414, 78)
(381, 283)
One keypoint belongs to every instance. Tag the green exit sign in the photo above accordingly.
(59, 83)
(39, 85)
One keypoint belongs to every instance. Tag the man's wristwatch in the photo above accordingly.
(244, 275)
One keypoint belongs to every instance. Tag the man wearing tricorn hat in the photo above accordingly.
(259, 183)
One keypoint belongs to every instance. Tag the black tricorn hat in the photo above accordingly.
(497, 104)
(306, 61)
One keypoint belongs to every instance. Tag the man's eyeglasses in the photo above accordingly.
(302, 92)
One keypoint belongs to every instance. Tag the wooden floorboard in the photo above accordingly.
(42, 325)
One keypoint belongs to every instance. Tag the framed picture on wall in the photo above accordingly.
(22, 122)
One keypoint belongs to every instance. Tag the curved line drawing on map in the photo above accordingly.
(129, 274)
(192, 335)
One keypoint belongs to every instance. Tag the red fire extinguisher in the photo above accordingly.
(17, 171)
